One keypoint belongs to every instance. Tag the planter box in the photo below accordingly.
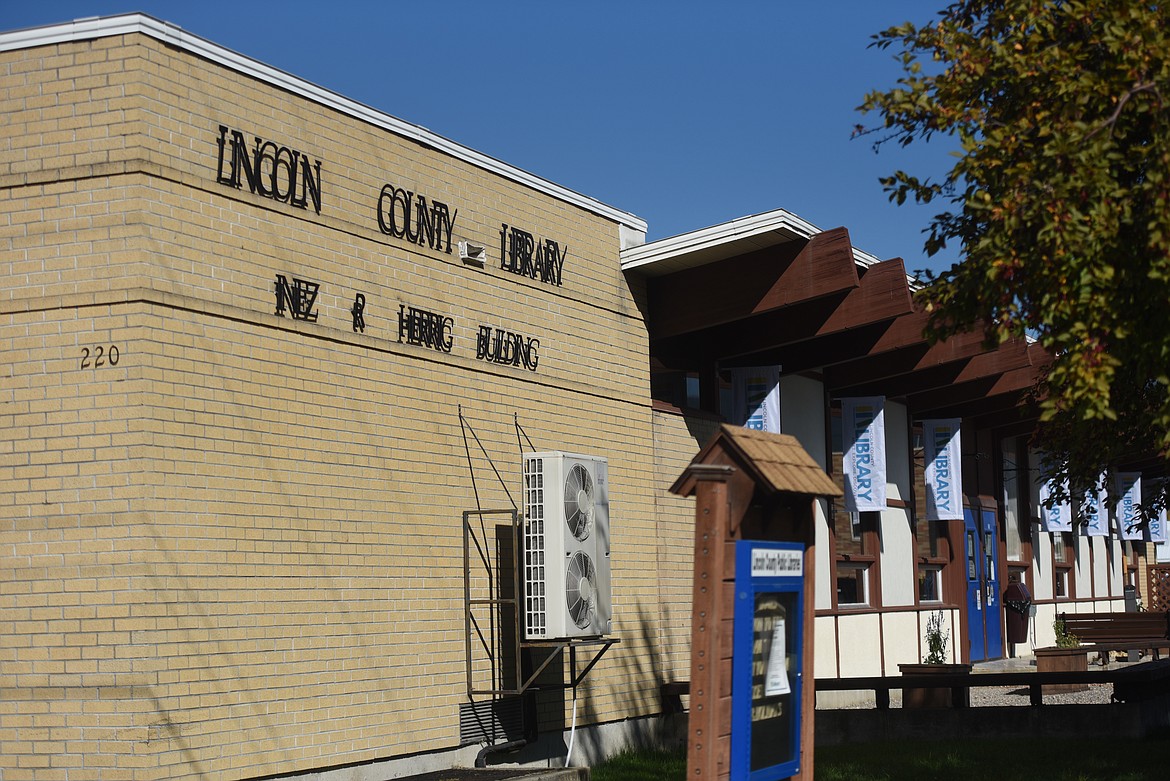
(934, 697)
(1051, 660)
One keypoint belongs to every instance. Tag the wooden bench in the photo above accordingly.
(1120, 631)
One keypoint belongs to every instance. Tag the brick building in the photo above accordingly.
(272, 361)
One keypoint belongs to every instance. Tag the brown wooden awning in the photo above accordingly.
(777, 463)
(809, 305)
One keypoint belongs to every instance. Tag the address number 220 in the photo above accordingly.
(99, 356)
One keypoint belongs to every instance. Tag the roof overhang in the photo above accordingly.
(723, 241)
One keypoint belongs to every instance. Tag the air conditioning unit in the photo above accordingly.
(566, 546)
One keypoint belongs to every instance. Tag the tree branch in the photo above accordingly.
(1112, 120)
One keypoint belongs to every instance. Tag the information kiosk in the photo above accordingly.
(767, 671)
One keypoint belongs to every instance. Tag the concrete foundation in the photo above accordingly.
(542, 760)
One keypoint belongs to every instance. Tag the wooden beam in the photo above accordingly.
(881, 295)
(816, 353)
(1008, 356)
(1016, 420)
(753, 284)
(998, 408)
(982, 397)
(722, 342)
(915, 381)
(903, 349)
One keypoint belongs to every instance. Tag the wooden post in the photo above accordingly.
(809, 694)
(708, 746)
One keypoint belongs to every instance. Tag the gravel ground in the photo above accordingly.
(1096, 694)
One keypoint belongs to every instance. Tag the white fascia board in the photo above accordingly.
(776, 221)
(863, 258)
(101, 27)
(706, 238)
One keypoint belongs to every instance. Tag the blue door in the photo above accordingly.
(984, 608)
(993, 604)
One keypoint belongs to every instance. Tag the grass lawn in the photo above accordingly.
(1036, 760)
(642, 766)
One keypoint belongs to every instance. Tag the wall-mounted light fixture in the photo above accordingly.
(472, 254)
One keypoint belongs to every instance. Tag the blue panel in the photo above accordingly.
(992, 603)
(766, 680)
(973, 565)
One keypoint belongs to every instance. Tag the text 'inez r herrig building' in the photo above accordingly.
(331, 445)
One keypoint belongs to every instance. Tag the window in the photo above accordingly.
(1062, 587)
(852, 583)
(679, 389)
(989, 558)
(1019, 575)
(1131, 552)
(930, 583)
(692, 391)
(1016, 530)
(856, 539)
(931, 548)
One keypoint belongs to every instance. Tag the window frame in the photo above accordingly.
(1063, 567)
(864, 579)
(939, 571)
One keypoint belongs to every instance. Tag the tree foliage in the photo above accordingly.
(1057, 203)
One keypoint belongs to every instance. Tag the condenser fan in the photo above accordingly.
(580, 502)
(566, 546)
(581, 589)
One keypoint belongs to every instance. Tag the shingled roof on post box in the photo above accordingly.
(777, 463)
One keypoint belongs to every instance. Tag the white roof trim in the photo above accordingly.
(863, 258)
(100, 27)
(779, 220)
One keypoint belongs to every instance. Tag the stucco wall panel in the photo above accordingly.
(901, 633)
(859, 658)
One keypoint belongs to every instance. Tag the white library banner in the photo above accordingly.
(1129, 488)
(1057, 518)
(1157, 530)
(864, 435)
(1095, 511)
(944, 481)
(756, 395)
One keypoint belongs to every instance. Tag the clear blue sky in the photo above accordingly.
(684, 113)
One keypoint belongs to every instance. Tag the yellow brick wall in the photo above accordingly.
(677, 440)
(237, 551)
